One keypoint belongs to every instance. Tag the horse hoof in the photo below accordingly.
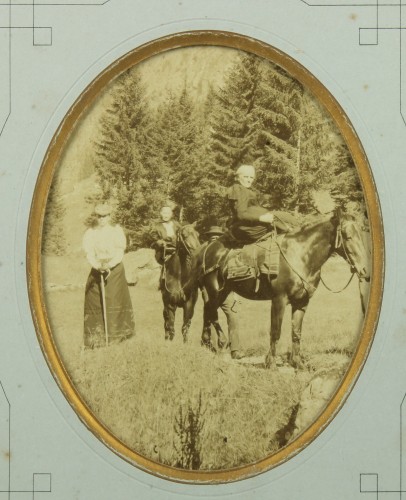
(208, 346)
(297, 364)
(221, 347)
(270, 363)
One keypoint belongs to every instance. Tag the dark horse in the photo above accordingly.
(177, 289)
(303, 252)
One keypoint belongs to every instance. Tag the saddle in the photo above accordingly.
(254, 259)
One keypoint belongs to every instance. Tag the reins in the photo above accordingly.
(296, 272)
(336, 291)
(308, 287)
(338, 243)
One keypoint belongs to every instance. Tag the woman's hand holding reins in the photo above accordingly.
(267, 218)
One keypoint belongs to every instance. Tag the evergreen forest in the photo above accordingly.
(186, 149)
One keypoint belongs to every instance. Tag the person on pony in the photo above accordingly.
(164, 234)
(249, 221)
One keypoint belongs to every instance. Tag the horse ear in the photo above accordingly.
(194, 224)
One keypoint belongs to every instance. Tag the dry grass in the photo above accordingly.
(138, 388)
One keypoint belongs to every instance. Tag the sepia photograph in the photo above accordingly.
(206, 260)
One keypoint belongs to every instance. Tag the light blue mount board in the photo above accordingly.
(50, 65)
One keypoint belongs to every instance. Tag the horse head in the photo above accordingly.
(187, 239)
(349, 244)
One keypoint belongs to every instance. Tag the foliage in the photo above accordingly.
(346, 189)
(280, 122)
(53, 238)
(317, 144)
(182, 150)
(187, 150)
(125, 156)
(253, 121)
(188, 430)
(232, 134)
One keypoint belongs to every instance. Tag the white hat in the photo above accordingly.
(245, 169)
(102, 209)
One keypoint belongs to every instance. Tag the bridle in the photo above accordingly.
(339, 244)
(180, 241)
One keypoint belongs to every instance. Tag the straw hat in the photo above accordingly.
(102, 209)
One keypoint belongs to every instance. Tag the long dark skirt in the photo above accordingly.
(120, 315)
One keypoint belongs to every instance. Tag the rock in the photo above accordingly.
(314, 399)
(141, 264)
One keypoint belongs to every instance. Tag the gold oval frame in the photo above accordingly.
(35, 226)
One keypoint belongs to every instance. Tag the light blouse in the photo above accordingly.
(104, 246)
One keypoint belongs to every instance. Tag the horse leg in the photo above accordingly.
(222, 340)
(210, 316)
(298, 312)
(207, 322)
(188, 310)
(277, 311)
(169, 321)
(206, 333)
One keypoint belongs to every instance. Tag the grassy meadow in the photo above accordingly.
(154, 394)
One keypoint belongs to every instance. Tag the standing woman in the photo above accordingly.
(107, 299)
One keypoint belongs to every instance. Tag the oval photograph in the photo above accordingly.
(202, 241)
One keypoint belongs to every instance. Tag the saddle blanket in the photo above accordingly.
(261, 257)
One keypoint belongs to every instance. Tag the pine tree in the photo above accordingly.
(278, 122)
(182, 145)
(232, 118)
(53, 239)
(315, 155)
(125, 156)
(346, 186)
(187, 150)
(256, 116)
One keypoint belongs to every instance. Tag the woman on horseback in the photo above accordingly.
(164, 234)
(249, 221)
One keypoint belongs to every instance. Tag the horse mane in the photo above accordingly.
(317, 220)
(334, 216)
